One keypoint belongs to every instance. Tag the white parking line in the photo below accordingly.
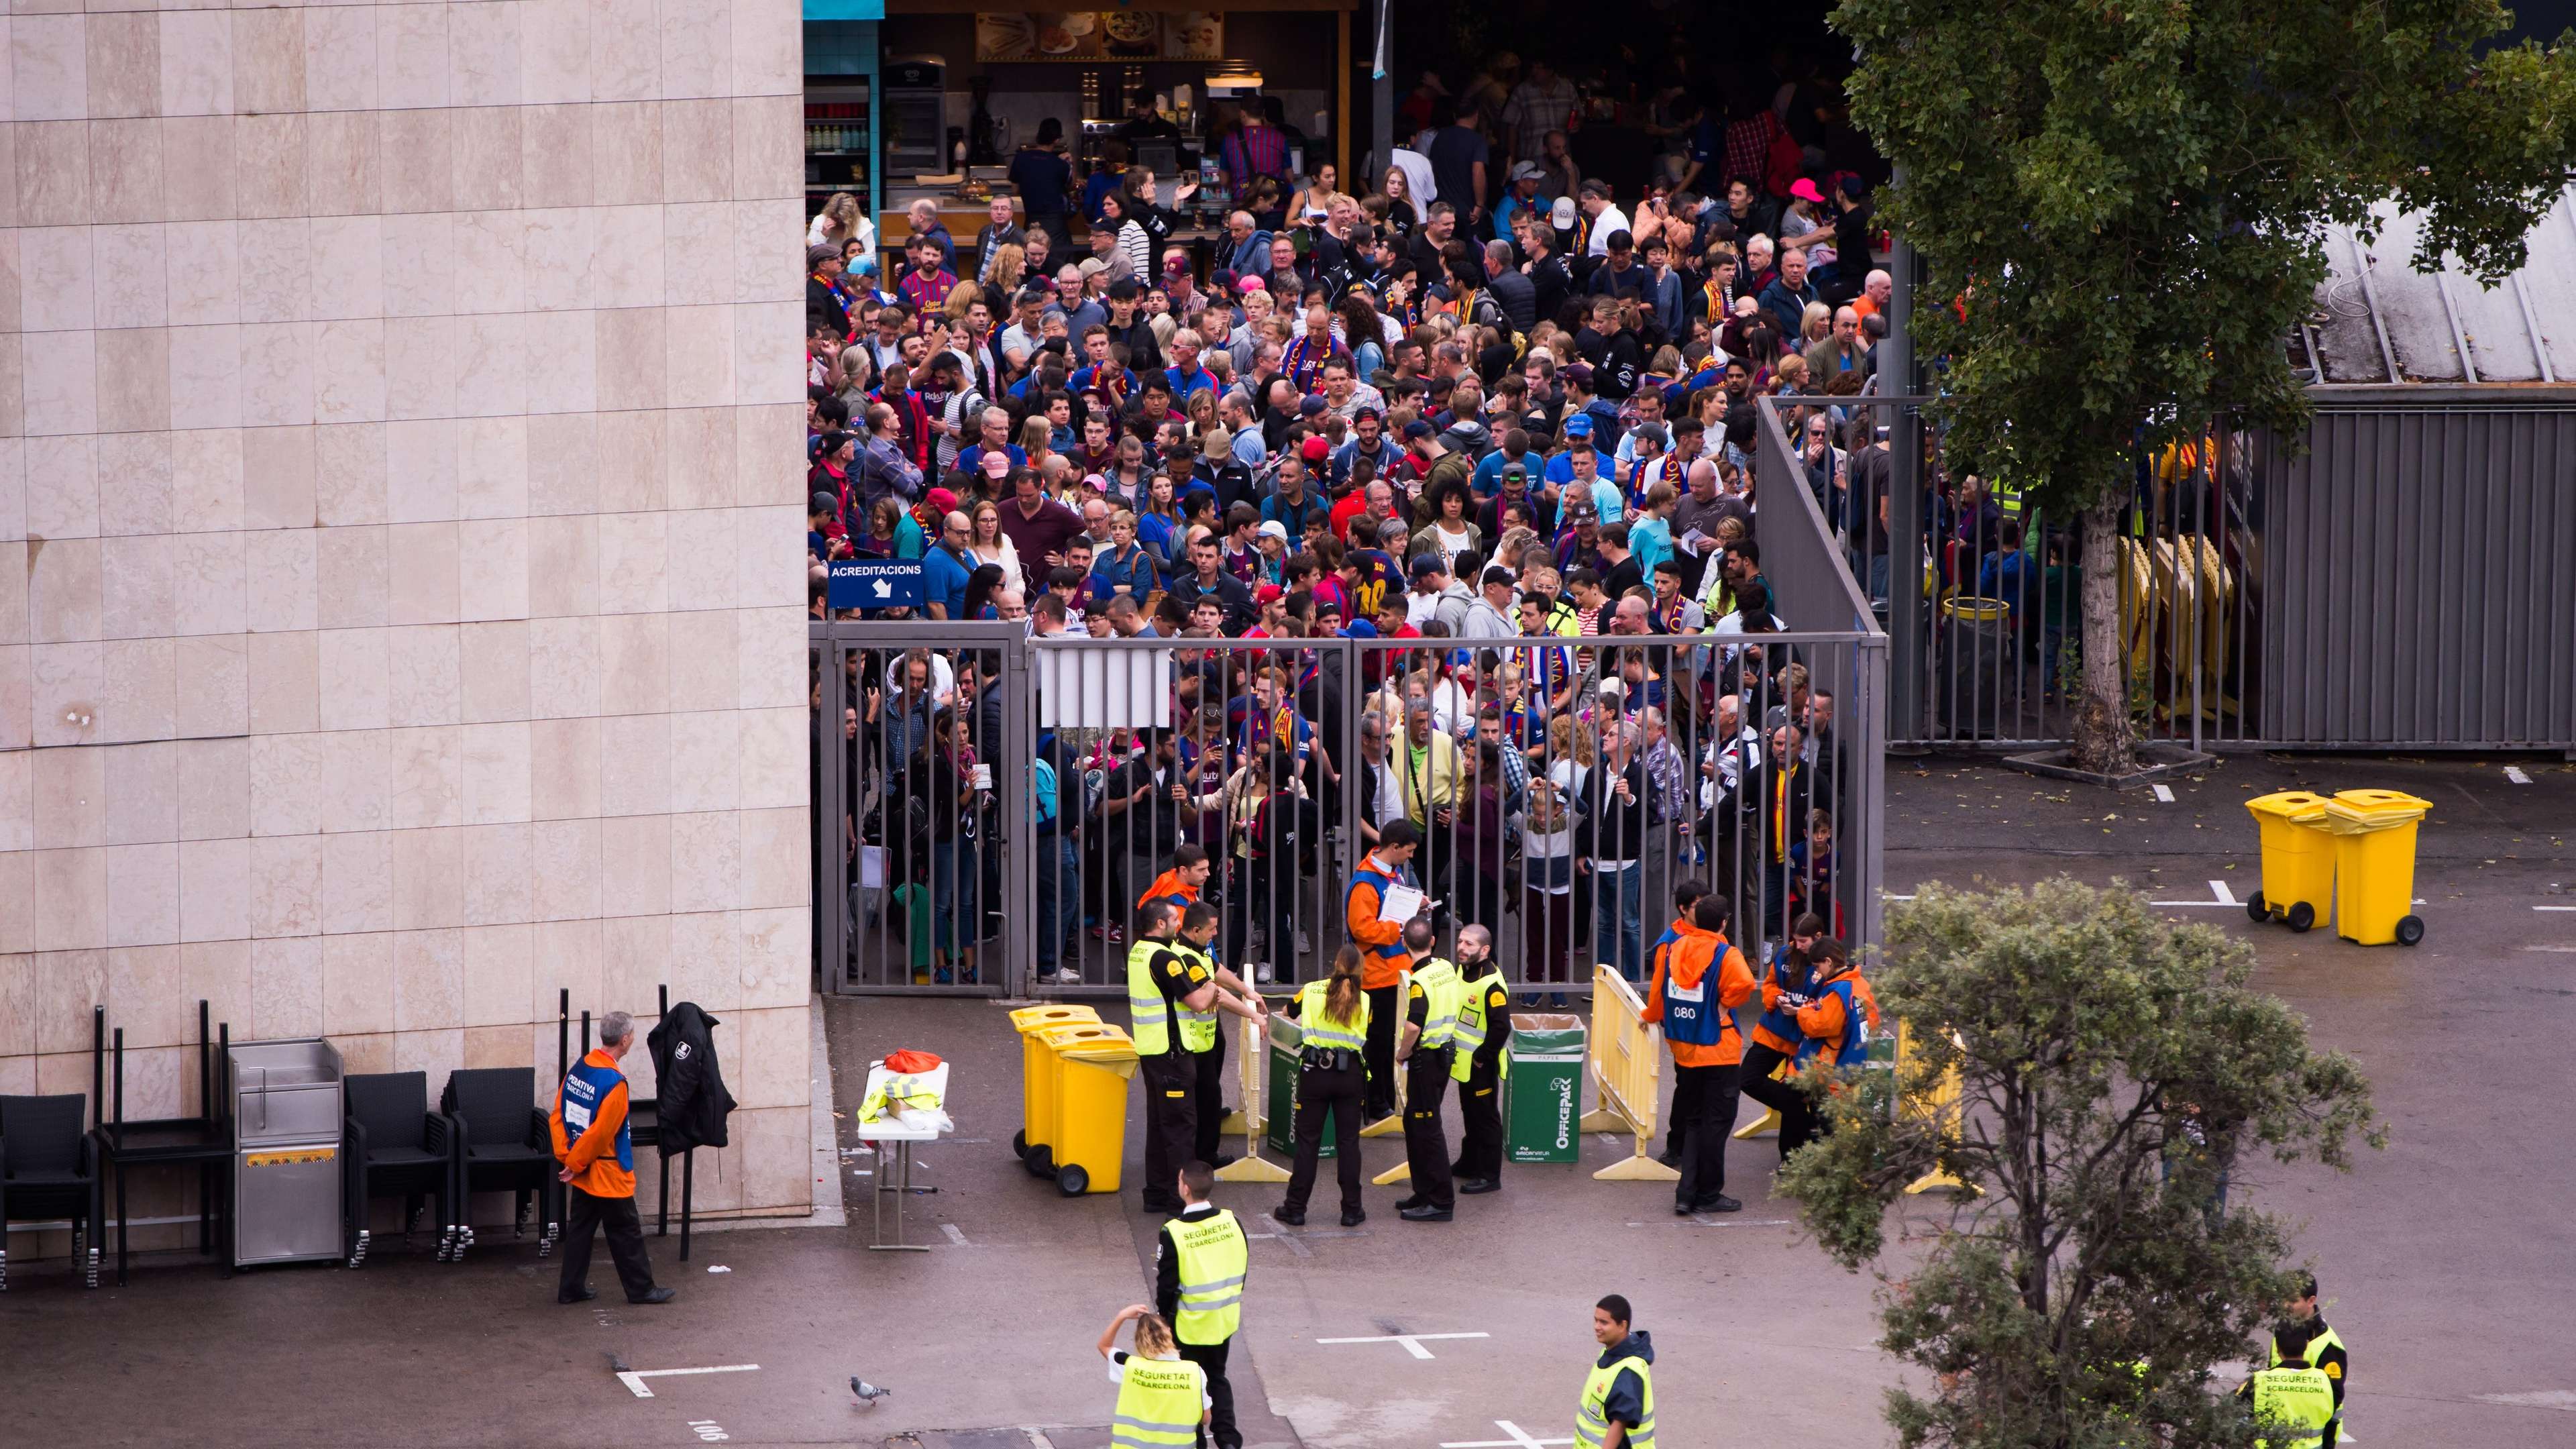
(634, 1379)
(2544, 1399)
(1520, 1439)
(2164, 793)
(2516, 775)
(955, 1234)
(2218, 889)
(2554, 908)
(1412, 1341)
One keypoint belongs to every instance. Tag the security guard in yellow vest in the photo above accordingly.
(2325, 1348)
(1480, 1049)
(1181, 986)
(1331, 1079)
(1162, 1397)
(1170, 1013)
(2293, 1403)
(1200, 1261)
(1617, 1410)
(1430, 1021)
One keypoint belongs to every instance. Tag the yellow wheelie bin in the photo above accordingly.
(1088, 1133)
(2374, 839)
(2298, 859)
(1037, 1079)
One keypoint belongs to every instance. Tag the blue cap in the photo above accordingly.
(1579, 426)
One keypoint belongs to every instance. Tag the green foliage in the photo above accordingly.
(2111, 1065)
(2128, 194)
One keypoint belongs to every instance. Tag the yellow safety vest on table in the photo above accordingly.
(1213, 1259)
(1160, 1401)
(1591, 1425)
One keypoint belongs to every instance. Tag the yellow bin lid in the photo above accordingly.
(1971, 607)
(1030, 1019)
(1097, 1042)
(2352, 812)
(2299, 805)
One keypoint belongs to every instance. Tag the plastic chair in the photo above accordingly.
(505, 1145)
(392, 1143)
(49, 1169)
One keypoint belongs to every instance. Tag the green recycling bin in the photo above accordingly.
(1543, 1088)
(1287, 1039)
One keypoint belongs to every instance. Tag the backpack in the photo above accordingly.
(1046, 789)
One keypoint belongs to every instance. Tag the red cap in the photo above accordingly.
(1270, 594)
(1316, 450)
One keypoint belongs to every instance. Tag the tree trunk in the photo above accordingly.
(2103, 743)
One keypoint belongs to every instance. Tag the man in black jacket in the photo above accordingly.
(822, 268)
(1610, 843)
(1514, 292)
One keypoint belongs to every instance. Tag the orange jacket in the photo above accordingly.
(1168, 885)
(593, 1156)
(1359, 917)
(1689, 959)
(1823, 1018)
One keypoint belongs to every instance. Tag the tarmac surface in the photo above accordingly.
(2443, 1259)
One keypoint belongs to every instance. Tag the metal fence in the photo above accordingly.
(2403, 581)
(2420, 563)
(1563, 786)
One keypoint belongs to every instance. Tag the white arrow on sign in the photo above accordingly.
(884, 590)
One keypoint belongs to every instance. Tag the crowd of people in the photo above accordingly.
(1526, 413)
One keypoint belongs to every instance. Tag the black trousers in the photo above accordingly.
(1377, 1052)
(1704, 1100)
(1480, 1143)
(1171, 1121)
(1797, 1118)
(1220, 1429)
(615, 1216)
(1426, 1139)
(1321, 1092)
(1208, 1097)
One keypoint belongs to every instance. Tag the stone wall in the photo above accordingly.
(399, 520)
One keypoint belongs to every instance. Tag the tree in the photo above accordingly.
(2123, 199)
(2111, 1065)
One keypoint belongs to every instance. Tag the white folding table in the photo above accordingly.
(899, 1131)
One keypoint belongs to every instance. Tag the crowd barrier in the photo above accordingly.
(1252, 1119)
(1627, 1064)
(1941, 1104)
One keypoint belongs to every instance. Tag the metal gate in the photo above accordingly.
(920, 845)
(1564, 786)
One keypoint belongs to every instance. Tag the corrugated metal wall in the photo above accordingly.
(2419, 588)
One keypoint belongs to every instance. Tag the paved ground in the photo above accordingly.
(2443, 1257)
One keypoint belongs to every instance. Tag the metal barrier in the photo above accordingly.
(1992, 634)
(1562, 786)
(1627, 1066)
(921, 879)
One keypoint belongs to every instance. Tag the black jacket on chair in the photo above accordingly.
(691, 1085)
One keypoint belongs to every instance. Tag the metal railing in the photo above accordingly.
(1563, 787)
(1990, 641)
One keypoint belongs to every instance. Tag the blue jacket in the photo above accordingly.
(1626, 1402)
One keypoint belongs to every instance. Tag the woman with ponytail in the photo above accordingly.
(1335, 1015)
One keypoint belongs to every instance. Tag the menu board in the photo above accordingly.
(1098, 35)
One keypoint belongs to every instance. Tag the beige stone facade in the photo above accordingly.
(399, 512)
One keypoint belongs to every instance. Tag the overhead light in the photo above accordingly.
(1233, 76)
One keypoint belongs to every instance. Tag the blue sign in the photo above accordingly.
(874, 583)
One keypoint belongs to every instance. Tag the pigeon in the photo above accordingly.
(868, 1393)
